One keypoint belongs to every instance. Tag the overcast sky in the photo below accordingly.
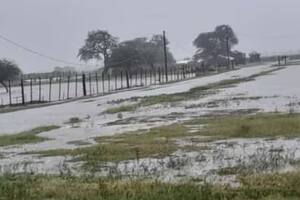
(57, 28)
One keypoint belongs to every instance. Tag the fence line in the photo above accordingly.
(60, 88)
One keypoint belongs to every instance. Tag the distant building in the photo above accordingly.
(239, 57)
(64, 69)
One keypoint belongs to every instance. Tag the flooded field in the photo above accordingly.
(85, 125)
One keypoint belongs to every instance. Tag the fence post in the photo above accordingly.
(285, 60)
(68, 89)
(127, 79)
(136, 78)
(130, 77)
(141, 76)
(155, 75)
(151, 76)
(187, 71)
(83, 84)
(31, 90)
(22, 91)
(76, 85)
(103, 88)
(108, 79)
(59, 88)
(116, 81)
(90, 83)
(145, 77)
(159, 75)
(40, 89)
(97, 86)
(50, 82)
(121, 79)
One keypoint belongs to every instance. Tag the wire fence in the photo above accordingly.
(60, 88)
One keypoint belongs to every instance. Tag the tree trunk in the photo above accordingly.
(105, 55)
(4, 85)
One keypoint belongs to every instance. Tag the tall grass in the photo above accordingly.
(261, 125)
(29, 187)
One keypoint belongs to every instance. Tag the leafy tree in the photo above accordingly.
(97, 45)
(8, 71)
(126, 56)
(140, 52)
(239, 57)
(211, 45)
(157, 51)
(254, 57)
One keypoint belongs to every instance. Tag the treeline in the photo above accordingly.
(214, 49)
(127, 55)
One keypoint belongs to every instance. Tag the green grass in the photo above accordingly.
(26, 137)
(261, 125)
(194, 93)
(157, 142)
(161, 142)
(258, 187)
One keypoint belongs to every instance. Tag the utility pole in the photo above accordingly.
(227, 46)
(166, 57)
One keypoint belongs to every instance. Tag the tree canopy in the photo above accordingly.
(140, 52)
(254, 57)
(212, 45)
(9, 71)
(98, 45)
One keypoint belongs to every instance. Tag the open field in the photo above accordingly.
(220, 136)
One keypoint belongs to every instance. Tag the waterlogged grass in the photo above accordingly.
(26, 137)
(161, 142)
(194, 93)
(156, 142)
(261, 125)
(260, 187)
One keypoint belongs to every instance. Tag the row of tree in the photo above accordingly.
(128, 55)
(213, 49)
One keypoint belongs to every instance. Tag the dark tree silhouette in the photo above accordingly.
(97, 45)
(8, 71)
(254, 57)
(211, 45)
(140, 51)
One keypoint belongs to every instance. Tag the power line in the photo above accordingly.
(41, 54)
(50, 57)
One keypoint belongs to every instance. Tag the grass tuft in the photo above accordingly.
(26, 137)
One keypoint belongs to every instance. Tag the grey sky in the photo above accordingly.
(58, 27)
